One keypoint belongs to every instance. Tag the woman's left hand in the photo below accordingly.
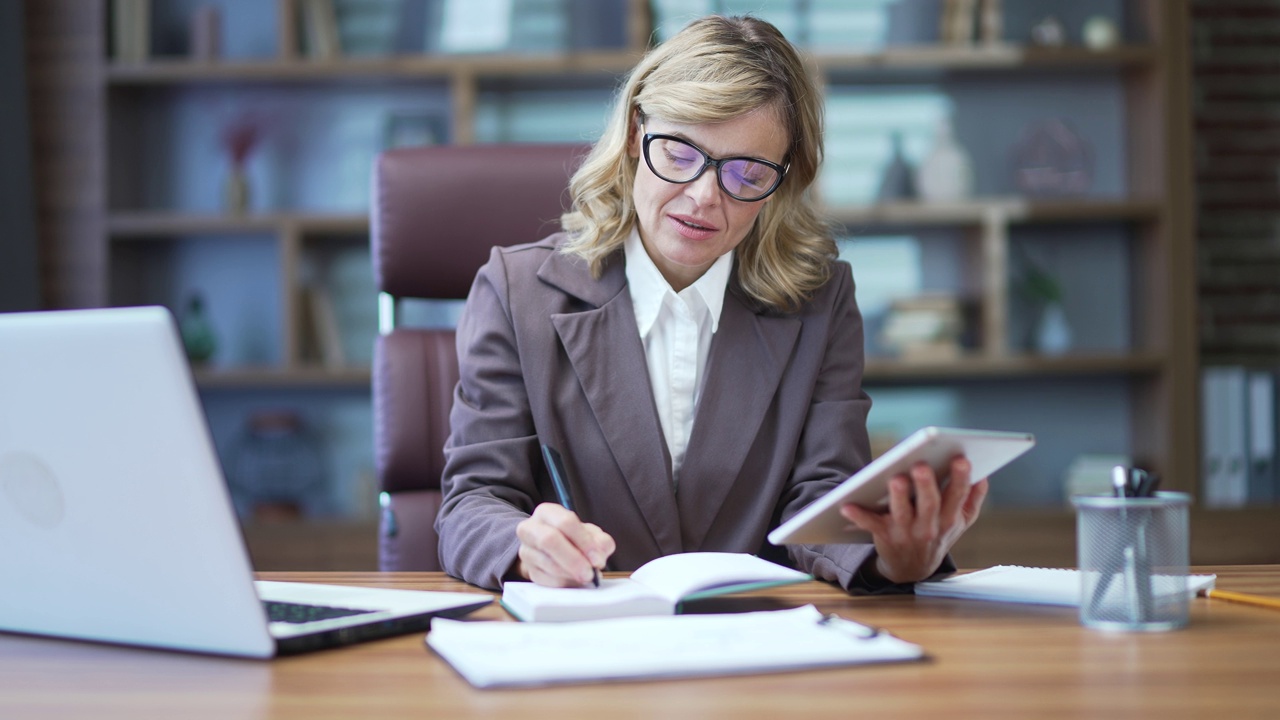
(913, 538)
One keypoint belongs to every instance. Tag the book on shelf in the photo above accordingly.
(504, 654)
(475, 26)
(924, 327)
(990, 21)
(321, 334)
(957, 21)
(658, 587)
(131, 30)
(320, 29)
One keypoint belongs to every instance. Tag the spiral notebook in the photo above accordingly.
(1034, 585)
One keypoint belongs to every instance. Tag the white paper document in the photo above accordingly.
(1037, 586)
(498, 654)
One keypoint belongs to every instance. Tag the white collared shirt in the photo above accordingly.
(676, 331)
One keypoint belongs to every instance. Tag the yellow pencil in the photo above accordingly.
(1247, 599)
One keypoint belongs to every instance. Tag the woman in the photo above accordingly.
(689, 344)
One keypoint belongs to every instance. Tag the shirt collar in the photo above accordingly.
(648, 287)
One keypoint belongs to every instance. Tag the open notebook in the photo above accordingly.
(1038, 586)
(658, 587)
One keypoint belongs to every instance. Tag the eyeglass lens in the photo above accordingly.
(678, 162)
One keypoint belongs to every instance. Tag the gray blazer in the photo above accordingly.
(549, 354)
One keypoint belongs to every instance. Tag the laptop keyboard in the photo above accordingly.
(298, 613)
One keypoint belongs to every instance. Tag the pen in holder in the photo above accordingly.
(1132, 552)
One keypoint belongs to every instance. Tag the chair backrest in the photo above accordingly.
(436, 213)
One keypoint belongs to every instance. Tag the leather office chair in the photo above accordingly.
(436, 213)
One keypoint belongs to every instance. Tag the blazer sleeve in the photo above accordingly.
(488, 482)
(834, 443)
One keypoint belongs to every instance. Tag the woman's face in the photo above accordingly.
(686, 227)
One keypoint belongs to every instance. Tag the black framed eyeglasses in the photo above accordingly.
(680, 161)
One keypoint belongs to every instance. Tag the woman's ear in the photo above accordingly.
(634, 132)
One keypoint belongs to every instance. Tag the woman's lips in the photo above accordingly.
(691, 227)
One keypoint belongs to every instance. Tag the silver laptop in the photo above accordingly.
(115, 522)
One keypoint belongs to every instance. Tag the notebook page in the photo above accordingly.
(678, 576)
(615, 596)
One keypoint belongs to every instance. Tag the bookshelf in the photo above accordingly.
(1148, 381)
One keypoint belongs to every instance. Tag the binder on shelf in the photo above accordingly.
(1262, 437)
(1211, 459)
(1235, 435)
(1225, 441)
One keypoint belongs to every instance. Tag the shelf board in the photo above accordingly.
(166, 224)
(1013, 210)
(280, 378)
(170, 70)
(996, 56)
(982, 367)
(974, 367)
(150, 225)
(1000, 57)
(161, 224)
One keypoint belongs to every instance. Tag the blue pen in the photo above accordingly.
(560, 480)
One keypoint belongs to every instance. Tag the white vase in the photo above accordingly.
(1053, 334)
(946, 174)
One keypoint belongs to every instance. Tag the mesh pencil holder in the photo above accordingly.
(1132, 554)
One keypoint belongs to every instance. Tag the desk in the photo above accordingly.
(987, 659)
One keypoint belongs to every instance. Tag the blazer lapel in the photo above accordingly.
(745, 366)
(603, 345)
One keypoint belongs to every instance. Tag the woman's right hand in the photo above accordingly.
(557, 549)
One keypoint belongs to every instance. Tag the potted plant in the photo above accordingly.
(1050, 333)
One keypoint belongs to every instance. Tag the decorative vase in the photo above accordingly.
(946, 174)
(898, 181)
(1100, 33)
(1052, 332)
(197, 333)
(1049, 32)
(235, 193)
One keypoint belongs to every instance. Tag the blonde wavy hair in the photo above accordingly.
(716, 69)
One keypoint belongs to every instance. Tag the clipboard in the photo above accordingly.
(505, 654)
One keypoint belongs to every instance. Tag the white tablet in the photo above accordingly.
(821, 521)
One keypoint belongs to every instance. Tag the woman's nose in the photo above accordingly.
(706, 189)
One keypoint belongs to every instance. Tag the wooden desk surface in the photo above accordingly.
(986, 659)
